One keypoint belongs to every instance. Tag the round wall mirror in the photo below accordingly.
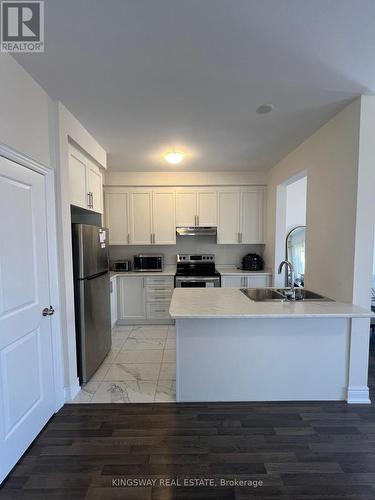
(295, 253)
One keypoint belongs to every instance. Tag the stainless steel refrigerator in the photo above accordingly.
(92, 297)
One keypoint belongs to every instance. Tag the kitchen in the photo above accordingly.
(186, 263)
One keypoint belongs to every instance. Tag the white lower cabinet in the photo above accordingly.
(232, 281)
(113, 288)
(131, 298)
(246, 281)
(144, 299)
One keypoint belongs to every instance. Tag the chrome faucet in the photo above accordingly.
(287, 263)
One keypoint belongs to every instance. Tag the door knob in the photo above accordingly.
(48, 311)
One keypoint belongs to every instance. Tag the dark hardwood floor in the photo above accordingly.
(297, 450)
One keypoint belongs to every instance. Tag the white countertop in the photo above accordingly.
(233, 271)
(214, 303)
(168, 271)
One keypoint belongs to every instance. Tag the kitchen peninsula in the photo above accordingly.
(230, 348)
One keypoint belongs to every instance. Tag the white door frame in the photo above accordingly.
(54, 288)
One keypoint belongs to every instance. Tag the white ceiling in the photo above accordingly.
(144, 76)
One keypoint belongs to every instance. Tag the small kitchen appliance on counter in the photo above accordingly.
(150, 262)
(121, 266)
(196, 271)
(252, 262)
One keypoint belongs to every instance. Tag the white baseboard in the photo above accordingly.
(358, 395)
(71, 391)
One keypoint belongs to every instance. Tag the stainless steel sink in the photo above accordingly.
(283, 294)
(263, 294)
(305, 295)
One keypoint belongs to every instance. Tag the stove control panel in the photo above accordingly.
(196, 258)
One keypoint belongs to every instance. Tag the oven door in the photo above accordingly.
(197, 282)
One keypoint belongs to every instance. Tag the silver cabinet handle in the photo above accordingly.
(151, 238)
(128, 238)
(90, 202)
(197, 220)
(48, 311)
(240, 237)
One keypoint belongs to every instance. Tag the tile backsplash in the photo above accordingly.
(224, 254)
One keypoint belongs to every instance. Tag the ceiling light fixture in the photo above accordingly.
(174, 157)
(264, 109)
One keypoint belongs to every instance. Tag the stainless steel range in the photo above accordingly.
(196, 271)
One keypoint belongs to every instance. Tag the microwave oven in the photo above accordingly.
(122, 265)
(148, 262)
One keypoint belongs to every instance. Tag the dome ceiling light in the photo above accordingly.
(174, 157)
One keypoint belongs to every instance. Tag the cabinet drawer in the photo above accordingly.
(158, 296)
(160, 280)
(158, 311)
(160, 288)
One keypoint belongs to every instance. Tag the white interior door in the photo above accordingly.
(26, 368)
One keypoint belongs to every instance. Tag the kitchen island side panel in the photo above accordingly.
(262, 360)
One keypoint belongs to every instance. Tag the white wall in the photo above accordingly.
(68, 128)
(296, 204)
(224, 254)
(330, 159)
(24, 112)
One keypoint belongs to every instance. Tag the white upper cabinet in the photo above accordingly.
(186, 207)
(95, 188)
(141, 217)
(77, 179)
(117, 215)
(241, 215)
(163, 217)
(252, 215)
(86, 182)
(149, 216)
(229, 216)
(196, 207)
(207, 208)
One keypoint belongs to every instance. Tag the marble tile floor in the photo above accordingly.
(140, 368)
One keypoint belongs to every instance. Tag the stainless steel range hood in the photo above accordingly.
(196, 231)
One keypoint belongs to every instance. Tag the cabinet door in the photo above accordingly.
(229, 217)
(258, 281)
(95, 187)
(140, 217)
(252, 216)
(163, 217)
(77, 180)
(131, 298)
(113, 288)
(117, 216)
(186, 208)
(232, 282)
(207, 208)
